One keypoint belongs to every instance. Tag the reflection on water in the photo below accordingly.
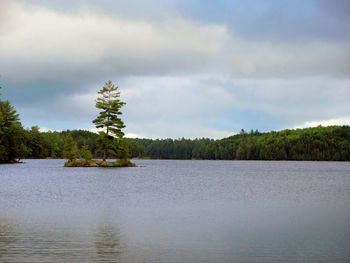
(7, 237)
(176, 211)
(108, 245)
(24, 242)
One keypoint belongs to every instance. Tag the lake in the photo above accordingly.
(176, 211)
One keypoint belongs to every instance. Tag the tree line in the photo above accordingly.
(330, 143)
(320, 143)
(18, 143)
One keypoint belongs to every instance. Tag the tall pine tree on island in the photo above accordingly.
(111, 138)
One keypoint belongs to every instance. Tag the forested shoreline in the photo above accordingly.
(330, 143)
(19, 143)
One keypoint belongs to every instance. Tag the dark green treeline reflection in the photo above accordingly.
(108, 243)
(48, 242)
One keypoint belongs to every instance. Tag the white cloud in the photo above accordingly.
(338, 121)
(134, 135)
(205, 105)
(37, 42)
(179, 78)
(166, 129)
(44, 129)
(212, 106)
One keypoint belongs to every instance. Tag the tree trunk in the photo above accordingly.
(105, 154)
(106, 148)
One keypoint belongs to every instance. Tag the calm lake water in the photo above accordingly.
(175, 211)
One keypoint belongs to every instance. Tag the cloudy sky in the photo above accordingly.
(185, 68)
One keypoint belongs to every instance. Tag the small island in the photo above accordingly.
(110, 140)
(71, 152)
(99, 163)
(109, 148)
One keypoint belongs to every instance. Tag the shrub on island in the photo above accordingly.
(99, 163)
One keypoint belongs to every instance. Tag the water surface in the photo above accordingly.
(176, 211)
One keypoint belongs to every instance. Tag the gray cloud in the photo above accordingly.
(276, 20)
(208, 105)
(178, 76)
(88, 44)
(229, 104)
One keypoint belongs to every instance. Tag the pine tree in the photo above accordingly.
(70, 150)
(109, 118)
(85, 153)
(10, 131)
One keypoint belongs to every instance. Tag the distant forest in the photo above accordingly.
(320, 143)
(330, 143)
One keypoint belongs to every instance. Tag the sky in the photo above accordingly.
(185, 68)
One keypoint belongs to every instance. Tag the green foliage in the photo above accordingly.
(120, 149)
(71, 163)
(11, 133)
(320, 143)
(96, 163)
(109, 118)
(53, 143)
(124, 163)
(36, 143)
(85, 153)
(70, 150)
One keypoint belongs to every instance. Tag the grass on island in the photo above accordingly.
(99, 163)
